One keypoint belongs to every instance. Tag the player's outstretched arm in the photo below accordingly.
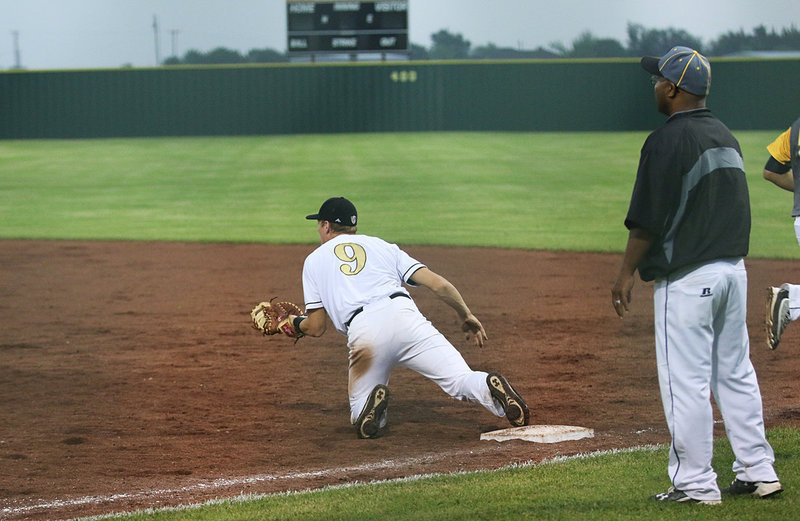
(448, 294)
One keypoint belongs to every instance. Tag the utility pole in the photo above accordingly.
(155, 35)
(17, 59)
(174, 34)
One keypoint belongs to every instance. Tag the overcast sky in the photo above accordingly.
(59, 34)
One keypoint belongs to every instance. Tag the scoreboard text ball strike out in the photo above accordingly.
(347, 27)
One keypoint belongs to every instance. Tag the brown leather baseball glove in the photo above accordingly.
(276, 317)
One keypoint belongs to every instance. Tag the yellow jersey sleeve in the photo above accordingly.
(781, 148)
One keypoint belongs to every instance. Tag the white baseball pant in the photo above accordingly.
(794, 289)
(392, 332)
(702, 347)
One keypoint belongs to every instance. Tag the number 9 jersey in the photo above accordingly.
(351, 271)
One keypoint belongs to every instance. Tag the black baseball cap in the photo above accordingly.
(336, 210)
(685, 67)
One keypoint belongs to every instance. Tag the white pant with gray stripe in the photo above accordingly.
(702, 347)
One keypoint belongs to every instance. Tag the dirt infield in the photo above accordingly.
(130, 378)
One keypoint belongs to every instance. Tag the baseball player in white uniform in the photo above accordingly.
(357, 280)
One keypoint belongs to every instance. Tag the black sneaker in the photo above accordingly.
(679, 496)
(778, 316)
(762, 489)
(516, 409)
(368, 422)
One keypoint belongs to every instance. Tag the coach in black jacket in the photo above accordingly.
(689, 230)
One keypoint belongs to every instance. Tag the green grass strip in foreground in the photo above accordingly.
(558, 191)
(604, 487)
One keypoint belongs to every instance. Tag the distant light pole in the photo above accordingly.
(174, 34)
(17, 58)
(155, 35)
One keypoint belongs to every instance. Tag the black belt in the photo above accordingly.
(359, 310)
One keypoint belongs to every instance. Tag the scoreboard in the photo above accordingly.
(346, 27)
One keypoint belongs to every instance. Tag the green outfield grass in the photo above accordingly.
(566, 191)
(605, 487)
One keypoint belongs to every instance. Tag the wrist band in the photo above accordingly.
(296, 323)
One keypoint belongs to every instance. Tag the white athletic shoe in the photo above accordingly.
(761, 489)
(778, 316)
(674, 495)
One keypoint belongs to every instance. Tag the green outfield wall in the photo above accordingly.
(547, 95)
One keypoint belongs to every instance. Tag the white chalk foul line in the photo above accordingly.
(226, 483)
(416, 477)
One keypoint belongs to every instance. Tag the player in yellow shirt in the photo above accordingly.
(783, 169)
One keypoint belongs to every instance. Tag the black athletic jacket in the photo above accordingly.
(691, 193)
